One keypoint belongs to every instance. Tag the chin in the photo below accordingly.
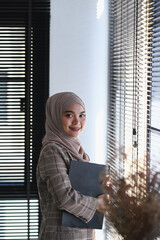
(75, 135)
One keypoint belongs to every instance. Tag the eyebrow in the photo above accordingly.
(70, 111)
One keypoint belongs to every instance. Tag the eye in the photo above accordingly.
(82, 115)
(68, 115)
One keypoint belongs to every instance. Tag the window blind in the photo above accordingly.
(12, 117)
(154, 125)
(24, 74)
(129, 89)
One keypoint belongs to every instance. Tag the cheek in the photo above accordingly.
(65, 122)
(83, 122)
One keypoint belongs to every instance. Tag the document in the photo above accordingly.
(86, 178)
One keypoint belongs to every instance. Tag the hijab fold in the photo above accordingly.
(55, 106)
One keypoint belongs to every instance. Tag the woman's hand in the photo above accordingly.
(106, 184)
(103, 203)
(106, 181)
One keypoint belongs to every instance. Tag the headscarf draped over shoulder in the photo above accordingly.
(55, 106)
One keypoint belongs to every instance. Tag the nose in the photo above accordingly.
(75, 120)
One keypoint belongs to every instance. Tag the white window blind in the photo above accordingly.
(14, 219)
(154, 136)
(12, 116)
(130, 88)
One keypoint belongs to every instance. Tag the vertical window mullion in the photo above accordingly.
(28, 115)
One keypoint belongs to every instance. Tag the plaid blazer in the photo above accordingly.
(56, 194)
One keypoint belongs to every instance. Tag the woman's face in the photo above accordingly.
(73, 120)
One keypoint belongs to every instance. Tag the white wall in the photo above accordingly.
(78, 63)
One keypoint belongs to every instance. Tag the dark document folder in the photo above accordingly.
(86, 178)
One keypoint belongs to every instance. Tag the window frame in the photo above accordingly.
(34, 15)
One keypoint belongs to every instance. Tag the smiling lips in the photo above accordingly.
(75, 129)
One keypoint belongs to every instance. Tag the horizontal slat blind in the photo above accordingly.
(12, 94)
(155, 106)
(143, 82)
(122, 70)
(121, 92)
(24, 54)
(129, 91)
(14, 219)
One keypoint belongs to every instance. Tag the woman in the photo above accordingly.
(65, 119)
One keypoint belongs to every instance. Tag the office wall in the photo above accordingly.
(78, 63)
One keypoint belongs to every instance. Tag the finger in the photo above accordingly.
(106, 179)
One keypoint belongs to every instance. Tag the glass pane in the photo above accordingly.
(12, 113)
(14, 219)
(155, 150)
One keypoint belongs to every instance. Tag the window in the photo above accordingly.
(24, 77)
(131, 94)
(154, 139)
(12, 117)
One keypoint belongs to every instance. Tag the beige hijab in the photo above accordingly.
(55, 106)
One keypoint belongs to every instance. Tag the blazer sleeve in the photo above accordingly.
(52, 168)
